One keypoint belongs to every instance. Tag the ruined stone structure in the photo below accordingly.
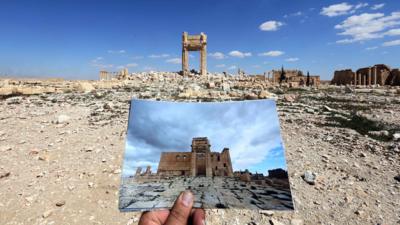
(121, 75)
(294, 78)
(394, 78)
(194, 43)
(104, 75)
(379, 74)
(343, 77)
(372, 75)
(201, 161)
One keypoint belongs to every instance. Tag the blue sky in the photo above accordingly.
(76, 39)
(250, 129)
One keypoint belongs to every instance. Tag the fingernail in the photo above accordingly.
(187, 198)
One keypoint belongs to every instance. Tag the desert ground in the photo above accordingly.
(61, 151)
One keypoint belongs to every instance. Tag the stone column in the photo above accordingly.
(185, 54)
(369, 76)
(375, 75)
(138, 171)
(203, 60)
(355, 79)
(359, 79)
(193, 165)
(208, 165)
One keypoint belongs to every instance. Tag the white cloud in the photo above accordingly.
(174, 60)
(217, 55)
(271, 25)
(137, 57)
(391, 43)
(154, 56)
(360, 5)
(98, 62)
(378, 6)
(299, 13)
(239, 54)
(131, 65)
(116, 51)
(120, 67)
(97, 59)
(367, 26)
(232, 67)
(337, 9)
(148, 68)
(371, 48)
(274, 53)
(393, 32)
(220, 65)
(292, 59)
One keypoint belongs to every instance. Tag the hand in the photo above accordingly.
(180, 213)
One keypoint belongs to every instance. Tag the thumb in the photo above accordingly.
(181, 210)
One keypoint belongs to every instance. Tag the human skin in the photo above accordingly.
(180, 214)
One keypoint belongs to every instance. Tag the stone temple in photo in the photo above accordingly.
(201, 161)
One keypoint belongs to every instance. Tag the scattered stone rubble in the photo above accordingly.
(211, 192)
(154, 85)
(69, 172)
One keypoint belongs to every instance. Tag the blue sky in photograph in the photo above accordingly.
(75, 39)
(250, 129)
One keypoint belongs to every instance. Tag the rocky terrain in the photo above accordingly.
(61, 149)
(210, 193)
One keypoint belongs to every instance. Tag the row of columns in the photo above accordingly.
(105, 75)
(366, 79)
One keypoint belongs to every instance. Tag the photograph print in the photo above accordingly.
(230, 155)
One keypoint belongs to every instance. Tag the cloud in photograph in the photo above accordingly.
(239, 54)
(155, 56)
(217, 55)
(341, 9)
(250, 129)
(271, 25)
(368, 26)
(377, 6)
(391, 43)
(116, 51)
(174, 60)
(99, 63)
(274, 53)
(294, 59)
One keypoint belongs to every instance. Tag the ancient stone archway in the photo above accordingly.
(194, 43)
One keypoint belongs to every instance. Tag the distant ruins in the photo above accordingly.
(121, 75)
(294, 78)
(379, 74)
(194, 43)
(201, 161)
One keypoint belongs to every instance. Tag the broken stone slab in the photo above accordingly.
(310, 177)
(60, 203)
(62, 119)
(4, 175)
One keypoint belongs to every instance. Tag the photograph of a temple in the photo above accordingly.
(199, 162)
(225, 154)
